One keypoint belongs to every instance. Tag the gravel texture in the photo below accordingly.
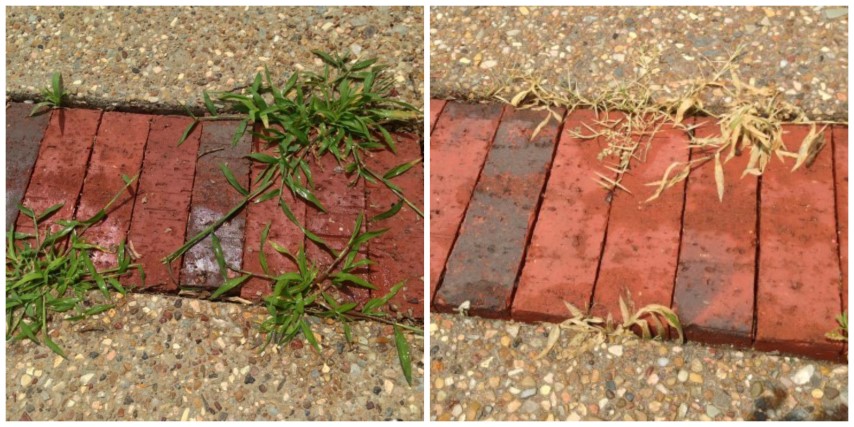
(802, 51)
(487, 370)
(158, 58)
(170, 358)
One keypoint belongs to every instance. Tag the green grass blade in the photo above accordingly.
(403, 354)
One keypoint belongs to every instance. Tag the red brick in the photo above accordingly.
(436, 106)
(343, 203)
(399, 253)
(485, 263)
(458, 147)
(798, 290)
(564, 252)
(23, 136)
(282, 231)
(118, 151)
(61, 164)
(213, 197)
(714, 292)
(162, 203)
(840, 159)
(643, 238)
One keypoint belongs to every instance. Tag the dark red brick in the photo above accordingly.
(714, 292)
(118, 151)
(399, 253)
(798, 291)
(564, 252)
(840, 159)
(282, 231)
(61, 165)
(213, 197)
(343, 203)
(436, 106)
(487, 256)
(23, 136)
(458, 147)
(162, 204)
(642, 244)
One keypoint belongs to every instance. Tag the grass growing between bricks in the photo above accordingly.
(751, 123)
(342, 112)
(50, 272)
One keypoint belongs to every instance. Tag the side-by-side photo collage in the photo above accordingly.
(426, 212)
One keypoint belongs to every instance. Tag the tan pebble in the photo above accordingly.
(26, 380)
(817, 393)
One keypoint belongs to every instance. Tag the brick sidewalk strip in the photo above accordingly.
(798, 291)
(162, 203)
(399, 252)
(564, 253)
(458, 147)
(335, 226)
(212, 198)
(714, 282)
(282, 231)
(643, 237)
(118, 151)
(23, 136)
(61, 165)
(436, 107)
(484, 264)
(840, 158)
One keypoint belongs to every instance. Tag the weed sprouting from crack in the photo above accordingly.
(50, 271)
(53, 96)
(653, 321)
(751, 123)
(342, 112)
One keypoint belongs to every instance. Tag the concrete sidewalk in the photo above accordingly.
(802, 51)
(158, 58)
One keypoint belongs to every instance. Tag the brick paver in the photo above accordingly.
(797, 295)
(436, 106)
(23, 135)
(840, 159)
(487, 257)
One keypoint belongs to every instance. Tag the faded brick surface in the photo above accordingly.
(212, 198)
(840, 157)
(436, 106)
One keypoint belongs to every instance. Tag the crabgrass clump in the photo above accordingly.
(52, 95)
(50, 271)
(344, 112)
(841, 331)
(750, 123)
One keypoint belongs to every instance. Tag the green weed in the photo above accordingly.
(841, 331)
(343, 112)
(50, 271)
(52, 95)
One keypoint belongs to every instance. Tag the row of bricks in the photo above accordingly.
(181, 190)
(779, 289)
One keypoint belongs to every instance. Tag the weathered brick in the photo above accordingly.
(399, 252)
(840, 158)
(798, 291)
(118, 151)
(212, 198)
(162, 203)
(458, 147)
(23, 136)
(61, 165)
(564, 251)
(487, 256)
(714, 292)
(643, 237)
